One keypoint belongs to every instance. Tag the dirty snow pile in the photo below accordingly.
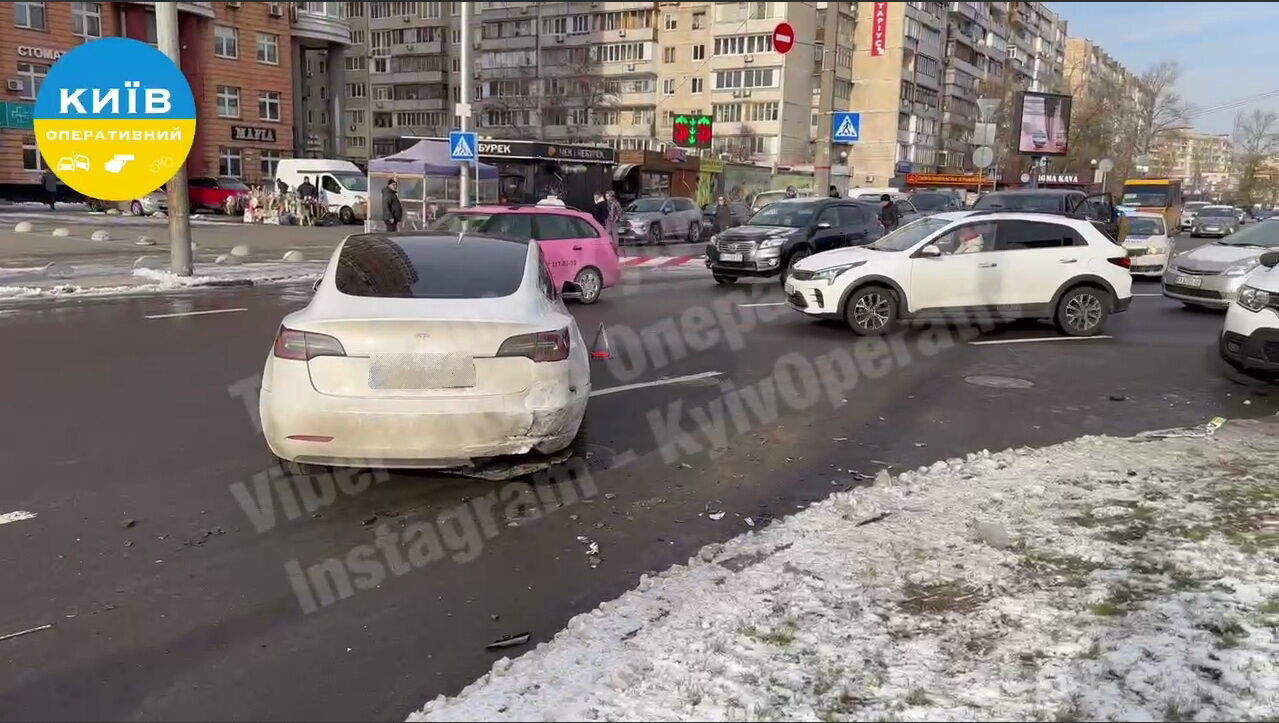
(1101, 579)
(150, 281)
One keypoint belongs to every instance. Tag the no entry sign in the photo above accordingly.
(783, 38)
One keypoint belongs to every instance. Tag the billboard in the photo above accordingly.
(1044, 123)
(878, 29)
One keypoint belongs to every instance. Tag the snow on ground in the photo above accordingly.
(150, 281)
(1103, 578)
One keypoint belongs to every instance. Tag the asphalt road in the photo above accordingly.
(126, 440)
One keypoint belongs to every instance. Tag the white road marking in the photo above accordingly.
(28, 631)
(18, 516)
(1046, 338)
(777, 303)
(194, 313)
(655, 383)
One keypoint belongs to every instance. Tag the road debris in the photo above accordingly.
(749, 522)
(1206, 430)
(716, 516)
(592, 550)
(28, 631)
(508, 641)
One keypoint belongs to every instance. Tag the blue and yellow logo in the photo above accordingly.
(115, 119)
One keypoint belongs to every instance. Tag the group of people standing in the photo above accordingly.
(608, 213)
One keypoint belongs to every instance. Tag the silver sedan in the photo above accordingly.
(1210, 276)
(1216, 221)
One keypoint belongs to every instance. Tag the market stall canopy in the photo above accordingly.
(425, 158)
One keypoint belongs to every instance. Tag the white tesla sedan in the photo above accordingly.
(426, 350)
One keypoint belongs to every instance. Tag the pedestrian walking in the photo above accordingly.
(599, 211)
(723, 215)
(614, 215)
(306, 189)
(791, 192)
(888, 213)
(50, 182)
(392, 211)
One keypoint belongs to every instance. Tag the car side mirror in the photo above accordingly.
(823, 225)
(571, 291)
(930, 252)
(1270, 259)
(666, 210)
(316, 285)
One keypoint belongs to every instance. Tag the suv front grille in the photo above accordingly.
(735, 246)
(1195, 272)
(799, 275)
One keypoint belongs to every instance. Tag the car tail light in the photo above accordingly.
(305, 345)
(1122, 261)
(543, 346)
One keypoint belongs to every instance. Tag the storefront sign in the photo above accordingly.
(879, 29)
(945, 179)
(253, 134)
(27, 51)
(1065, 179)
(16, 115)
(533, 150)
(712, 165)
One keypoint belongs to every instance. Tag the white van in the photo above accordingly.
(342, 187)
(874, 194)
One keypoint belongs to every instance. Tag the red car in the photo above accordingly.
(211, 193)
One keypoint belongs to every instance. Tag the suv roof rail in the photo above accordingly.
(987, 211)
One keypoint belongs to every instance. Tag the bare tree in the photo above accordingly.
(514, 97)
(740, 147)
(577, 88)
(1256, 139)
(1164, 109)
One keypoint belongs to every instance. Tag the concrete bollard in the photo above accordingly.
(240, 251)
(113, 211)
(144, 241)
(294, 255)
(100, 235)
(23, 227)
(61, 232)
(151, 262)
(227, 260)
(58, 270)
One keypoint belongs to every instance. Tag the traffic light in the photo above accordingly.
(693, 131)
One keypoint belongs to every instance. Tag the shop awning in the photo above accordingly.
(425, 158)
(623, 170)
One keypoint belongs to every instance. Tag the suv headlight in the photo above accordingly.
(777, 239)
(831, 273)
(1243, 267)
(1254, 299)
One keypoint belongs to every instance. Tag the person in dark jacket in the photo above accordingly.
(723, 215)
(599, 211)
(50, 182)
(306, 189)
(834, 192)
(888, 213)
(392, 211)
(282, 186)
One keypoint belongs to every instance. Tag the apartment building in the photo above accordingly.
(1037, 47)
(977, 36)
(1203, 161)
(235, 56)
(321, 41)
(1098, 81)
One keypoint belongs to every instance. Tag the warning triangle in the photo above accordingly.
(846, 128)
(462, 149)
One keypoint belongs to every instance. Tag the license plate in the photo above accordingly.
(1191, 281)
(730, 257)
(1132, 251)
(790, 289)
(421, 371)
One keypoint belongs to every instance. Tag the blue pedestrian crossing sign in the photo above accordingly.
(846, 127)
(462, 146)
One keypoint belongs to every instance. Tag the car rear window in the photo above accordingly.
(430, 267)
(554, 226)
(1019, 202)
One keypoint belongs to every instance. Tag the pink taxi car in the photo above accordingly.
(576, 248)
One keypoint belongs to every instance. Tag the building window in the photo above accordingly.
(324, 92)
(355, 141)
(380, 65)
(668, 118)
(383, 120)
(699, 19)
(268, 48)
(743, 44)
(696, 85)
(29, 15)
(669, 21)
(228, 102)
(457, 65)
(357, 90)
(269, 105)
(86, 20)
(668, 55)
(230, 162)
(226, 42)
(668, 86)
(31, 159)
(381, 92)
(268, 161)
(747, 78)
(32, 77)
(699, 52)
(581, 25)
(555, 26)
(356, 62)
(727, 112)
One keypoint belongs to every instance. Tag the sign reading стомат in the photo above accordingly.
(115, 119)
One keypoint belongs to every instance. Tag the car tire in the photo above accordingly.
(871, 311)
(725, 279)
(655, 235)
(694, 232)
(796, 257)
(346, 216)
(135, 208)
(1083, 311)
(592, 284)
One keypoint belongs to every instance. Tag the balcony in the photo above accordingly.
(203, 9)
(318, 24)
(516, 42)
(434, 47)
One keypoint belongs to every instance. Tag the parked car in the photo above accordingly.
(653, 220)
(1216, 221)
(1250, 339)
(763, 198)
(1098, 208)
(1012, 265)
(741, 214)
(426, 350)
(157, 200)
(1148, 243)
(211, 192)
(930, 202)
(906, 212)
(1189, 211)
(576, 248)
(786, 232)
(1211, 275)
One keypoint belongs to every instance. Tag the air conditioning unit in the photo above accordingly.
(410, 47)
(13, 84)
(559, 38)
(621, 33)
(379, 104)
(746, 94)
(748, 59)
(352, 128)
(737, 94)
(524, 10)
(406, 19)
(475, 45)
(630, 67)
(275, 10)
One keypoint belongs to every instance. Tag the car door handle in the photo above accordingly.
(577, 248)
(987, 266)
(1068, 261)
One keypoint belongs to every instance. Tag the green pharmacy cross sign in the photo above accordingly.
(693, 131)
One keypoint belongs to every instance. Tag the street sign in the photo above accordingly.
(846, 127)
(783, 38)
(983, 157)
(984, 134)
(462, 145)
(693, 130)
(1025, 178)
(986, 107)
(1106, 165)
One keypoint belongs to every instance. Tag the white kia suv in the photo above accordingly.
(1250, 339)
(967, 265)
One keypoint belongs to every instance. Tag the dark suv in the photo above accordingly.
(1098, 208)
(786, 231)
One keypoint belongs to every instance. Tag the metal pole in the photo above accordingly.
(464, 178)
(166, 30)
(826, 100)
